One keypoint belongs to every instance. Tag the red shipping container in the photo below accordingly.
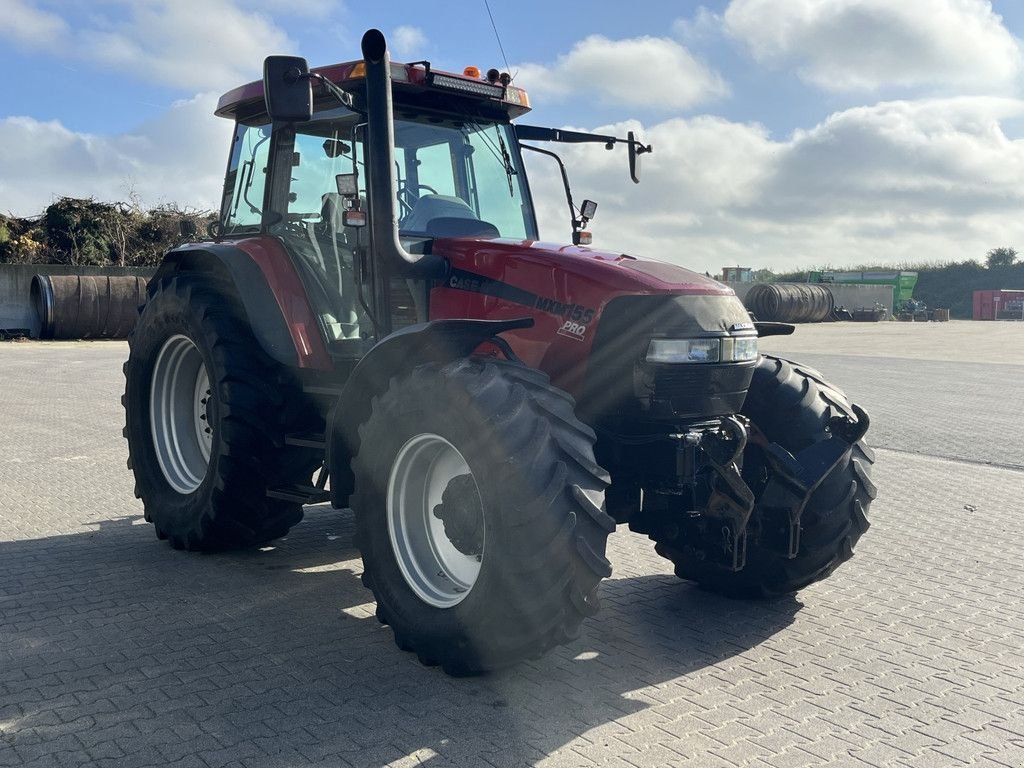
(999, 305)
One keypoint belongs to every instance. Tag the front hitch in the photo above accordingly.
(730, 499)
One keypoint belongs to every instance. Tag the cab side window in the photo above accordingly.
(246, 180)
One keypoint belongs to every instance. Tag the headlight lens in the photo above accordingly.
(744, 349)
(730, 349)
(684, 351)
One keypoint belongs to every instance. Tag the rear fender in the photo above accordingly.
(438, 341)
(262, 307)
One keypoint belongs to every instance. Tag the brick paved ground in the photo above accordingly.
(117, 651)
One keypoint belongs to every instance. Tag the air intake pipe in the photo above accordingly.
(380, 166)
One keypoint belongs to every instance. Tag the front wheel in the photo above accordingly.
(791, 405)
(479, 514)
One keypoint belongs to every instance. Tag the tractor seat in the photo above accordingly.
(446, 216)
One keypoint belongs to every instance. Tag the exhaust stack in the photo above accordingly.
(380, 164)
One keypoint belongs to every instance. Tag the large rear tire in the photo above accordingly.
(206, 412)
(479, 514)
(791, 405)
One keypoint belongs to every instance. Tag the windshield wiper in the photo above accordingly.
(501, 155)
(509, 169)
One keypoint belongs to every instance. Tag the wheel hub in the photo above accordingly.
(462, 516)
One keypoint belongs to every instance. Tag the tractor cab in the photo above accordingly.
(446, 164)
(456, 172)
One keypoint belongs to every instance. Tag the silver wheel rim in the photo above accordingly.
(439, 574)
(178, 399)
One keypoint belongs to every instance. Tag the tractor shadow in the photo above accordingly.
(274, 657)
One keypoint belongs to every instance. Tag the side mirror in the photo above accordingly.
(287, 89)
(188, 229)
(335, 148)
(636, 149)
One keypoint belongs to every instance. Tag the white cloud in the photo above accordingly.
(315, 9)
(188, 44)
(843, 45)
(703, 25)
(179, 157)
(407, 42)
(941, 155)
(640, 71)
(26, 24)
(905, 180)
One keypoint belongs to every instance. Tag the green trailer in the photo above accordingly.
(902, 283)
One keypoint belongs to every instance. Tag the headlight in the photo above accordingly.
(729, 349)
(744, 349)
(684, 350)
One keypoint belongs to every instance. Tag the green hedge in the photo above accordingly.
(953, 286)
(83, 232)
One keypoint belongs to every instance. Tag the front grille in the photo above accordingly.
(686, 390)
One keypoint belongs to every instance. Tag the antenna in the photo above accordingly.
(497, 36)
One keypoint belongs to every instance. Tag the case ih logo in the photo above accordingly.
(576, 316)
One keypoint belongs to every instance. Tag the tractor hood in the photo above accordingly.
(571, 292)
(618, 272)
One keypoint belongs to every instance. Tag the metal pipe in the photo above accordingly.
(380, 161)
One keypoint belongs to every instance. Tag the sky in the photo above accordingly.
(786, 133)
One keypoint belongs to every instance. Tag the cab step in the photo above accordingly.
(306, 440)
(322, 391)
(299, 494)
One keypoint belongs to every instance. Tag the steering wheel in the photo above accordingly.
(407, 198)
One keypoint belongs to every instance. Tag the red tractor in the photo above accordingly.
(374, 308)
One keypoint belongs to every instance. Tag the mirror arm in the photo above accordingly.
(576, 223)
(343, 96)
(538, 133)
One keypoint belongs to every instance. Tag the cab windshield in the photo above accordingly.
(445, 168)
(453, 176)
(460, 177)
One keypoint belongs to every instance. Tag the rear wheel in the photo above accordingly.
(791, 405)
(206, 413)
(479, 514)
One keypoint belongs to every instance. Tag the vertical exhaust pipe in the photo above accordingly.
(380, 165)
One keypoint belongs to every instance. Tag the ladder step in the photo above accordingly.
(306, 440)
(299, 494)
(310, 389)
